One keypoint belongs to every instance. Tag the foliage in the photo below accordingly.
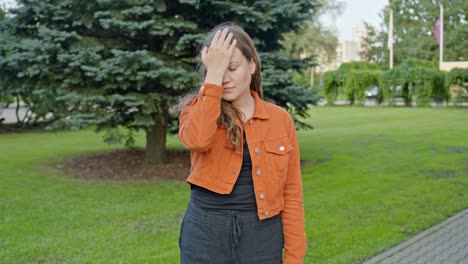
(280, 72)
(458, 76)
(414, 22)
(352, 79)
(2, 14)
(418, 80)
(114, 64)
(313, 37)
(457, 80)
(330, 86)
(358, 81)
(302, 77)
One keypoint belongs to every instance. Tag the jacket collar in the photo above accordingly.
(260, 109)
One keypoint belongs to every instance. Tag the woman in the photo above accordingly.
(246, 200)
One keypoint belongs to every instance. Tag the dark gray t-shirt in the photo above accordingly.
(242, 197)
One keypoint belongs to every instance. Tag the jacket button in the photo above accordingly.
(257, 150)
(251, 122)
(259, 172)
(262, 196)
(267, 213)
(281, 148)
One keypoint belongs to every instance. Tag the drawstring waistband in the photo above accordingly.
(236, 232)
(236, 229)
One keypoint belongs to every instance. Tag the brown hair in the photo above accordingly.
(229, 114)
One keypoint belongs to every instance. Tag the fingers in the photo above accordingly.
(214, 41)
(220, 50)
(232, 47)
(227, 42)
(222, 38)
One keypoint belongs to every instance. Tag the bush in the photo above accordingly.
(457, 80)
(351, 79)
(419, 80)
(330, 88)
(358, 81)
(458, 76)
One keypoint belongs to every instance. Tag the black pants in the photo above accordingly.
(229, 237)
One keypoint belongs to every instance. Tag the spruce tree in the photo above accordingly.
(120, 65)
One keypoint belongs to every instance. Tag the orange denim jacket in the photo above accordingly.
(274, 150)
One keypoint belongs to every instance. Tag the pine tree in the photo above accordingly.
(120, 65)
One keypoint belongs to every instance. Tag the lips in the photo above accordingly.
(228, 89)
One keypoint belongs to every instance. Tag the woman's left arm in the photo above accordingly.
(295, 243)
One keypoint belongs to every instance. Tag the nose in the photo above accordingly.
(226, 77)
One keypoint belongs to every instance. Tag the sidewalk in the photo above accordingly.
(445, 243)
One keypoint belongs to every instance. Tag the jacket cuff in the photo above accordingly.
(212, 90)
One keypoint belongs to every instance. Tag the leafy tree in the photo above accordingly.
(418, 80)
(375, 51)
(119, 65)
(458, 76)
(315, 38)
(331, 88)
(414, 22)
(351, 79)
(457, 80)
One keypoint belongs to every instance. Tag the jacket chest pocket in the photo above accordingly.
(277, 155)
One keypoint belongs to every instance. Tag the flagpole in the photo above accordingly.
(390, 41)
(441, 47)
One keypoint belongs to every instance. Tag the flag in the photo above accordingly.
(390, 31)
(436, 30)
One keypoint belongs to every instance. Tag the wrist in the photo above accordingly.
(214, 78)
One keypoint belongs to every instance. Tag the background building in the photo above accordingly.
(346, 51)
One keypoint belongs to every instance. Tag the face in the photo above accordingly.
(237, 78)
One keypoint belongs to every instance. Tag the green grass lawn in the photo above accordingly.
(373, 177)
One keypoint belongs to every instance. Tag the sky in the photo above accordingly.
(7, 3)
(355, 11)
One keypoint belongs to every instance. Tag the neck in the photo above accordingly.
(245, 104)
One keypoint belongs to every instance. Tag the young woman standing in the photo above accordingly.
(246, 201)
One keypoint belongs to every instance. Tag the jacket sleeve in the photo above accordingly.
(295, 243)
(197, 121)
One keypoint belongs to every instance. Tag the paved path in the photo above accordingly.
(445, 243)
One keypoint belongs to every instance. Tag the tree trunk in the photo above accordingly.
(156, 144)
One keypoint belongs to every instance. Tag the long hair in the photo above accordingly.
(230, 114)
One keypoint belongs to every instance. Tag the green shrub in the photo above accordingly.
(351, 79)
(419, 80)
(456, 80)
(330, 88)
(458, 76)
(358, 81)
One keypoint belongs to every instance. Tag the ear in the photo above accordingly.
(252, 66)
